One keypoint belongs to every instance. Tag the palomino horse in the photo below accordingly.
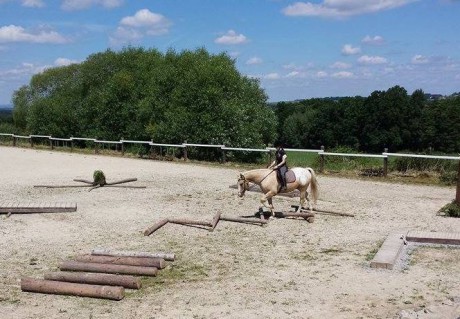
(297, 178)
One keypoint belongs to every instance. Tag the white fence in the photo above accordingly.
(184, 146)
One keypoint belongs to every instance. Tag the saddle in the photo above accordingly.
(290, 177)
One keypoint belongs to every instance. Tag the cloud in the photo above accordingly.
(375, 40)
(142, 23)
(370, 60)
(231, 37)
(340, 65)
(348, 49)
(321, 74)
(419, 59)
(33, 3)
(64, 62)
(272, 76)
(13, 33)
(72, 5)
(342, 8)
(254, 60)
(342, 75)
(24, 70)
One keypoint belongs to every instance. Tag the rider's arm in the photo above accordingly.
(282, 162)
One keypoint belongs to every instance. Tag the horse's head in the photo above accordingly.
(243, 185)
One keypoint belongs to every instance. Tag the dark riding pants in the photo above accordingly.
(282, 175)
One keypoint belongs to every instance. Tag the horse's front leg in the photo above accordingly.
(268, 198)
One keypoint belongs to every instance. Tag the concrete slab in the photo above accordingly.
(389, 252)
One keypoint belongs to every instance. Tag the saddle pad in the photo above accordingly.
(290, 176)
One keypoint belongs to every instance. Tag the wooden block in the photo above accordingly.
(108, 268)
(131, 261)
(20, 208)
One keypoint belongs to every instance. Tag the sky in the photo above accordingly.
(297, 49)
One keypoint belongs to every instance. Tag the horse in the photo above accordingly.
(296, 178)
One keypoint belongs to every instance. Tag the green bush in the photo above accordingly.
(451, 210)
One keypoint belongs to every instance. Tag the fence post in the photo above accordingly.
(151, 150)
(269, 155)
(457, 195)
(321, 160)
(385, 163)
(14, 140)
(96, 146)
(51, 143)
(185, 151)
(71, 144)
(122, 147)
(31, 142)
(224, 159)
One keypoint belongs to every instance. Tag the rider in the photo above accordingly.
(280, 164)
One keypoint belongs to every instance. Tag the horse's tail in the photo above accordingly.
(313, 185)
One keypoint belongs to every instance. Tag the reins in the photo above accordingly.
(249, 188)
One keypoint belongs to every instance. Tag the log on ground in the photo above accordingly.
(108, 268)
(131, 261)
(244, 220)
(108, 252)
(155, 227)
(72, 289)
(181, 221)
(125, 281)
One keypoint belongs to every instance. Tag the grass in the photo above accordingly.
(370, 255)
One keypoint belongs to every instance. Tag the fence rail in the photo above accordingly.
(321, 153)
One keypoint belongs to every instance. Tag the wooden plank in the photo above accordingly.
(434, 237)
(389, 252)
(37, 208)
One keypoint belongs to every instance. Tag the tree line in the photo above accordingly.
(390, 119)
(195, 96)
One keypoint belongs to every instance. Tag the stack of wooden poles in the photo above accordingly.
(101, 274)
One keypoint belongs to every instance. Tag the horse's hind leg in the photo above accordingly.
(303, 198)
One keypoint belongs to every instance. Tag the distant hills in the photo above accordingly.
(6, 106)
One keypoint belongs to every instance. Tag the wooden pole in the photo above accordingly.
(155, 227)
(108, 268)
(127, 180)
(321, 160)
(291, 214)
(125, 281)
(189, 222)
(108, 252)
(215, 220)
(73, 289)
(244, 220)
(385, 163)
(131, 261)
(325, 211)
(61, 186)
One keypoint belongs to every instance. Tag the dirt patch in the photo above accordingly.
(288, 269)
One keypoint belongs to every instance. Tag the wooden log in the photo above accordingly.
(131, 261)
(127, 180)
(72, 289)
(244, 220)
(108, 268)
(84, 181)
(215, 220)
(291, 214)
(95, 279)
(108, 252)
(189, 222)
(60, 186)
(155, 227)
(325, 211)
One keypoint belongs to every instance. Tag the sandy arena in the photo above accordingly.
(288, 269)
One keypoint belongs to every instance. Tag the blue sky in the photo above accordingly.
(298, 49)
